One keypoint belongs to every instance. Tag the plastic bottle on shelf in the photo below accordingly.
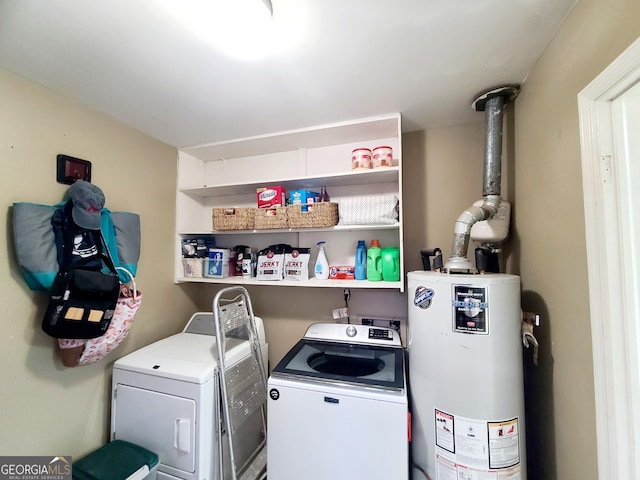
(361, 261)
(322, 264)
(324, 196)
(374, 262)
(391, 264)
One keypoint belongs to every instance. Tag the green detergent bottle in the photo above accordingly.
(390, 264)
(374, 262)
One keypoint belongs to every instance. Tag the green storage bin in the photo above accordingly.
(117, 460)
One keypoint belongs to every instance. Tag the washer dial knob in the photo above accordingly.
(351, 331)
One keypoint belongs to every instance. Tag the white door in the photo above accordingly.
(609, 126)
(626, 130)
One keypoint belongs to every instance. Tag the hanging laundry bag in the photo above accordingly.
(38, 247)
(76, 352)
(35, 244)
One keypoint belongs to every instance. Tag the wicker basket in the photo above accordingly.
(271, 218)
(238, 218)
(320, 215)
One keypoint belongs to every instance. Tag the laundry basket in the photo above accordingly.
(117, 460)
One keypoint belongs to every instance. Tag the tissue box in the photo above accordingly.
(368, 210)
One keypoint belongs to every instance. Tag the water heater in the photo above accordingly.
(465, 376)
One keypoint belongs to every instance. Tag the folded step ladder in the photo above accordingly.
(243, 385)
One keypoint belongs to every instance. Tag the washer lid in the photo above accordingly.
(185, 356)
(350, 364)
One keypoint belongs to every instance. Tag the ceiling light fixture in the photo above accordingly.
(240, 28)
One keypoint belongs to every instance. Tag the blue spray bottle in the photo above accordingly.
(361, 261)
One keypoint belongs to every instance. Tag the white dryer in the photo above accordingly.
(166, 398)
(338, 407)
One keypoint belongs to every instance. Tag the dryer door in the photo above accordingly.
(164, 424)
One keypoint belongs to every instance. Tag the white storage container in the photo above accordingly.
(192, 267)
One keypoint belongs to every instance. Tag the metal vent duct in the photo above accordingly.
(492, 103)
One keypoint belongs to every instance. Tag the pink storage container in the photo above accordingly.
(382, 157)
(361, 159)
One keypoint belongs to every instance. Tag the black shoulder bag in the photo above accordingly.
(82, 301)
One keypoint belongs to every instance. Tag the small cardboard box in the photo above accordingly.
(270, 196)
(342, 272)
(303, 197)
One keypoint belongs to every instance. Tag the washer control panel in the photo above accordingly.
(364, 334)
(380, 334)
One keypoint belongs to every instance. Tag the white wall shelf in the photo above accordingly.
(363, 130)
(227, 174)
(312, 282)
(372, 177)
(335, 228)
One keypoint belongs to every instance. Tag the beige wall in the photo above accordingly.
(436, 163)
(47, 408)
(550, 237)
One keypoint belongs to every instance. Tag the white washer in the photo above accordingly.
(338, 407)
(166, 398)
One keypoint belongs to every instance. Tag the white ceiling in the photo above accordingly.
(334, 60)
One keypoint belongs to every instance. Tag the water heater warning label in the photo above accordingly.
(470, 309)
(476, 449)
(503, 443)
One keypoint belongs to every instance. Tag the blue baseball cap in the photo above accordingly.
(88, 201)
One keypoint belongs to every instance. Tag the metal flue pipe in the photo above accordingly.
(492, 103)
(492, 176)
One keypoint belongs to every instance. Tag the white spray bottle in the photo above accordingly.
(322, 265)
